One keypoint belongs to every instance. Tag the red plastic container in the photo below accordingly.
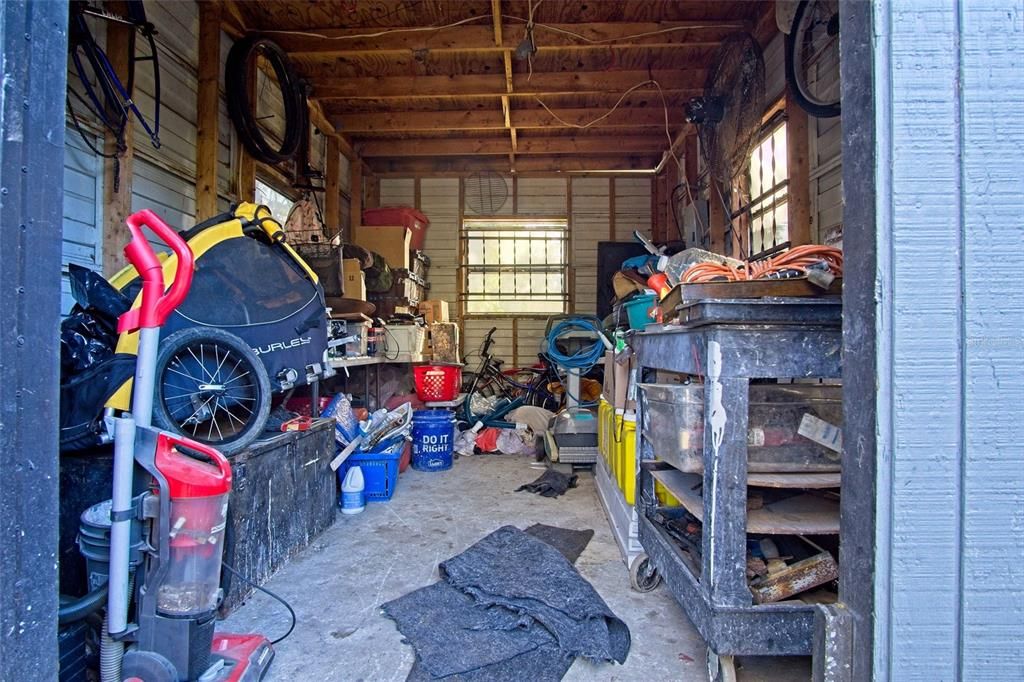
(437, 383)
(400, 215)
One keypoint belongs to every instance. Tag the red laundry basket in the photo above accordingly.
(437, 383)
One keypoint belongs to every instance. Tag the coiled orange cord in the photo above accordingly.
(799, 258)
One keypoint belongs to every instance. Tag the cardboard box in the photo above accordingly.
(353, 279)
(391, 242)
(619, 380)
(434, 310)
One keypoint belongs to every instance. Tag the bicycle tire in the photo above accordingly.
(242, 108)
(196, 379)
(796, 86)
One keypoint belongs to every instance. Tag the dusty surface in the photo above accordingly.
(338, 584)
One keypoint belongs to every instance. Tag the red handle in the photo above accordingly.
(156, 305)
(187, 476)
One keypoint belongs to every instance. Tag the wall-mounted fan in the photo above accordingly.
(486, 192)
(728, 114)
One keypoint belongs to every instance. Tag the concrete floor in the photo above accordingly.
(337, 585)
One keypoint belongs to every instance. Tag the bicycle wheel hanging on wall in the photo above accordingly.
(812, 57)
(271, 119)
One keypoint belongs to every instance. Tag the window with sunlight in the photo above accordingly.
(769, 187)
(515, 266)
(279, 204)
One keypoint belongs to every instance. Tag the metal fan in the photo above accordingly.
(486, 192)
(728, 115)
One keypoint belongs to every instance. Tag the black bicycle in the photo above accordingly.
(492, 393)
(103, 94)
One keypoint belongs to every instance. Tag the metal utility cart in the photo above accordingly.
(729, 342)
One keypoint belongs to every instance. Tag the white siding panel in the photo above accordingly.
(83, 195)
(398, 192)
(541, 196)
(439, 201)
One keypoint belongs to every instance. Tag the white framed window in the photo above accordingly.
(768, 174)
(515, 266)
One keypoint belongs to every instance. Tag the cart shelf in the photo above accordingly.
(798, 515)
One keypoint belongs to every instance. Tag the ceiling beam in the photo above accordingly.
(327, 87)
(629, 144)
(483, 119)
(341, 42)
(458, 165)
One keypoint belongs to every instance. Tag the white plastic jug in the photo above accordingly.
(353, 500)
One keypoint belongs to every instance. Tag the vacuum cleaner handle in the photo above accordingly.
(156, 305)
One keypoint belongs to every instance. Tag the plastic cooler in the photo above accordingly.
(400, 215)
(437, 383)
(380, 471)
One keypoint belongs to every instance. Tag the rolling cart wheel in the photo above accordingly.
(721, 668)
(643, 577)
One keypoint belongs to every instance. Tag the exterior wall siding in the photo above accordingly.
(950, 116)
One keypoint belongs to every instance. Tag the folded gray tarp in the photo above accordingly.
(511, 607)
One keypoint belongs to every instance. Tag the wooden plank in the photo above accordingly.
(332, 187)
(814, 480)
(796, 578)
(328, 85)
(342, 42)
(208, 111)
(611, 209)
(478, 119)
(461, 165)
(117, 173)
(635, 144)
(798, 163)
(797, 515)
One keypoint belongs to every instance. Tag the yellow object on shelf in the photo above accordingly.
(624, 443)
(604, 410)
(665, 498)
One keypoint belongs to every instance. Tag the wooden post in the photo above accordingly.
(356, 198)
(611, 209)
(208, 110)
(117, 172)
(246, 189)
(717, 220)
(798, 164)
(371, 198)
(332, 187)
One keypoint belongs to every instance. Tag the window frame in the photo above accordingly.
(771, 198)
(506, 223)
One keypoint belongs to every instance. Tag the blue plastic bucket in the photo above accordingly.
(433, 439)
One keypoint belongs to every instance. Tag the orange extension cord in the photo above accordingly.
(798, 258)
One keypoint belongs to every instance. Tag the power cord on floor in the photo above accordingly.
(269, 594)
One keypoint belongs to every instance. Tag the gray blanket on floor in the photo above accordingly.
(511, 607)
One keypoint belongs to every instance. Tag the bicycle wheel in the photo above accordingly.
(212, 388)
(812, 57)
(252, 113)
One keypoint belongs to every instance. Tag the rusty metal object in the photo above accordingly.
(799, 577)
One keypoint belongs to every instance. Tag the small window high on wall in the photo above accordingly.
(516, 266)
(280, 205)
(769, 191)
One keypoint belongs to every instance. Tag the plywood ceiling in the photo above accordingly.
(421, 85)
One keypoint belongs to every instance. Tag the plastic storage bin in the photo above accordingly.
(405, 338)
(437, 383)
(380, 471)
(673, 425)
(624, 443)
(637, 309)
(400, 215)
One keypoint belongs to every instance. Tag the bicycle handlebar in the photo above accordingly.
(156, 305)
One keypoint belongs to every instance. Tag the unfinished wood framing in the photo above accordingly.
(208, 111)
(117, 172)
(798, 195)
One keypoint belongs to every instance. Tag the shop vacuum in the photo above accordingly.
(167, 518)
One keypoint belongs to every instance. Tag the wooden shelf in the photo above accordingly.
(813, 480)
(798, 515)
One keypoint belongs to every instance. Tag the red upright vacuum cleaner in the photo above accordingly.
(168, 515)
